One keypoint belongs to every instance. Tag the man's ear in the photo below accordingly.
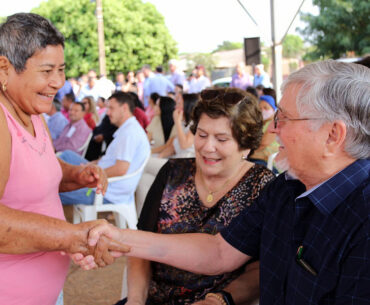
(336, 137)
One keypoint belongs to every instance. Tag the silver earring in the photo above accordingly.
(245, 158)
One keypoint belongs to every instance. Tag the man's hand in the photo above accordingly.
(99, 138)
(91, 175)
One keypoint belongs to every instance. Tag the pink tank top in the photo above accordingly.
(35, 174)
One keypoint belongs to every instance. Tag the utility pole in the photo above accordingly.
(101, 44)
(277, 54)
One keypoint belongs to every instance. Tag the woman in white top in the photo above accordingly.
(161, 128)
(182, 145)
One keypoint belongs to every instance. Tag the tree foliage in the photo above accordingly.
(135, 34)
(292, 46)
(342, 26)
(228, 45)
(205, 59)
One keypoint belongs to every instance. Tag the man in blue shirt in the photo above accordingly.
(261, 77)
(159, 84)
(310, 228)
(57, 120)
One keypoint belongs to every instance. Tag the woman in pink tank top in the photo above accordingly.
(33, 229)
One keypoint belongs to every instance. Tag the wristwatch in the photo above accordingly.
(227, 297)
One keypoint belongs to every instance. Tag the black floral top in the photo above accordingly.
(173, 206)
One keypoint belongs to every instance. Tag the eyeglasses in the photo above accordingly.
(277, 119)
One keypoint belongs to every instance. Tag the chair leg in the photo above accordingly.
(76, 215)
(120, 220)
(88, 212)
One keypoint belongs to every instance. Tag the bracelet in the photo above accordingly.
(213, 295)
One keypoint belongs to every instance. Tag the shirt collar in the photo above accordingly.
(125, 123)
(327, 195)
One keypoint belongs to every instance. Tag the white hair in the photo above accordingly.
(333, 90)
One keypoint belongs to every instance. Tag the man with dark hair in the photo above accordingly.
(75, 134)
(125, 154)
(67, 101)
(159, 83)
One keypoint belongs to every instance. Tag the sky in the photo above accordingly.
(202, 25)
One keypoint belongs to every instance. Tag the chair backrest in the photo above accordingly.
(98, 197)
(83, 148)
(150, 172)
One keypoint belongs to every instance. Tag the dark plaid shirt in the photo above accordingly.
(332, 224)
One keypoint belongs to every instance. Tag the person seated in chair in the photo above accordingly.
(125, 154)
(203, 194)
(74, 134)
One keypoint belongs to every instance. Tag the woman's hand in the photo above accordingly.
(101, 254)
(209, 301)
(178, 115)
(109, 231)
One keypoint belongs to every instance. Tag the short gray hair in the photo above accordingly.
(21, 35)
(334, 90)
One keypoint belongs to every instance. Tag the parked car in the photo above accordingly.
(222, 82)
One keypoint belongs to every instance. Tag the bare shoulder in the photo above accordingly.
(5, 152)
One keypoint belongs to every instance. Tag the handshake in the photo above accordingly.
(95, 244)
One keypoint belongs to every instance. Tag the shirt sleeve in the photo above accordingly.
(244, 232)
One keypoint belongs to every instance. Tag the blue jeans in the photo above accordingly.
(80, 196)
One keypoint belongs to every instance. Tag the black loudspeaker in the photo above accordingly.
(252, 51)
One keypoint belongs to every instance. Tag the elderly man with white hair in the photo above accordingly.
(261, 77)
(310, 227)
(176, 76)
(241, 78)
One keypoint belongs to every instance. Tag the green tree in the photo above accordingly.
(342, 26)
(205, 59)
(292, 46)
(228, 45)
(135, 34)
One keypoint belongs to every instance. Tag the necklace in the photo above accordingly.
(209, 197)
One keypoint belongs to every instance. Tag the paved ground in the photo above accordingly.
(94, 287)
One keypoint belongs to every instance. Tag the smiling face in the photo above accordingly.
(33, 90)
(217, 152)
(301, 148)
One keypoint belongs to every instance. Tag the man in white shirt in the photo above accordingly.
(125, 154)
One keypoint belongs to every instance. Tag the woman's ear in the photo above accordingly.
(4, 69)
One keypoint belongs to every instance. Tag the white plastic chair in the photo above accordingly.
(124, 212)
(83, 148)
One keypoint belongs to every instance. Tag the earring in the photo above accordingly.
(3, 87)
(244, 158)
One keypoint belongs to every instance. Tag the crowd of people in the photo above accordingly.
(217, 226)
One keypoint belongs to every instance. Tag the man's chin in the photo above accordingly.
(282, 164)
